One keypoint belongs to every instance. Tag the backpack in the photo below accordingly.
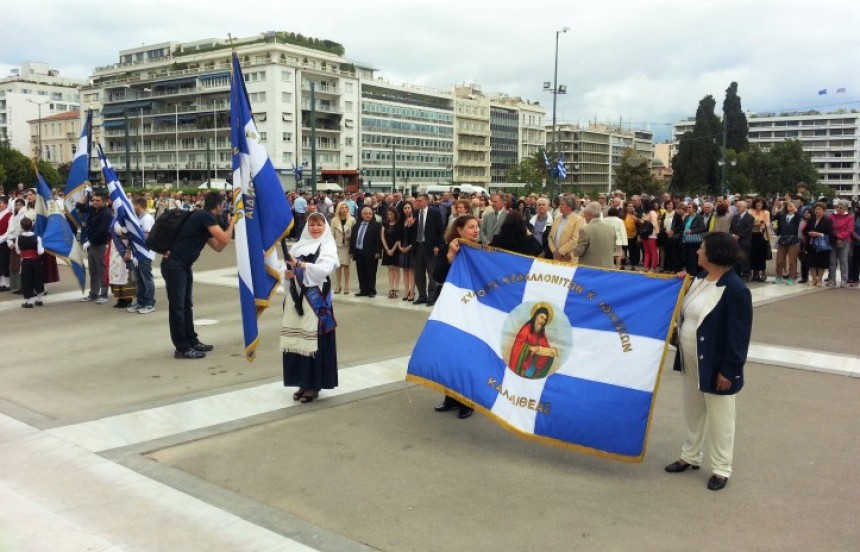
(165, 230)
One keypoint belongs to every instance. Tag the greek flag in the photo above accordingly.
(557, 353)
(562, 171)
(546, 162)
(123, 212)
(263, 213)
(58, 237)
(79, 173)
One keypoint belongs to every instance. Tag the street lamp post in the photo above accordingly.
(141, 160)
(39, 130)
(176, 143)
(556, 90)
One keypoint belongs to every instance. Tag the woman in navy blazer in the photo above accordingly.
(713, 338)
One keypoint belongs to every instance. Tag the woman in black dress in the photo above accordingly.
(819, 227)
(514, 236)
(409, 231)
(464, 228)
(391, 237)
(307, 330)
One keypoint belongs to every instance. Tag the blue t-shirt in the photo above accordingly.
(192, 237)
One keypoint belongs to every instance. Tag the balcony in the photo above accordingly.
(322, 107)
(321, 88)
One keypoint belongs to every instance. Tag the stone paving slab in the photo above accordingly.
(391, 473)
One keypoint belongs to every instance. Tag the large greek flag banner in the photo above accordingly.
(558, 353)
(123, 212)
(58, 238)
(79, 173)
(263, 213)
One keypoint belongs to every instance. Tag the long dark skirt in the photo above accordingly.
(758, 251)
(50, 272)
(5, 259)
(313, 373)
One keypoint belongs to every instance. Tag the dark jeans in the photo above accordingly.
(145, 284)
(425, 262)
(98, 270)
(855, 264)
(633, 253)
(179, 281)
(691, 257)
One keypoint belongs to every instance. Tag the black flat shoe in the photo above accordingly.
(678, 467)
(202, 347)
(716, 482)
(444, 407)
(465, 412)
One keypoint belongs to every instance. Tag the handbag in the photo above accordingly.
(821, 244)
(786, 240)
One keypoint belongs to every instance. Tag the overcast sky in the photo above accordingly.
(648, 62)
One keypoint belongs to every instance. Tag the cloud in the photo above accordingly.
(638, 61)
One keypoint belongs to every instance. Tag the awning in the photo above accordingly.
(171, 82)
(215, 76)
(119, 108)
(110, 124)
(341, 172)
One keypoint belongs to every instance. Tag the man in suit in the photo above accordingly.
(741, 230)
(595, 245)
(491, 223)
(430, 236)
(708, 216)
(565, 230)
(540, 225)
(365, 246)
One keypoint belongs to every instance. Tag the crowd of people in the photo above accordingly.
(653, 234)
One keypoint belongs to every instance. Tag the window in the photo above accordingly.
(348, 160)
(287, 157)
(287, 136)
(257, 97)
(287, 117)
(349, 107)
(287, 97)
(348, 123)
(286, 76)
(262, 137)
(347, 142)
(348, 86)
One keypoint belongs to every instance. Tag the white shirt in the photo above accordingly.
(146, 223)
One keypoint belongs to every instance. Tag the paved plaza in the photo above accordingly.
(109, 444)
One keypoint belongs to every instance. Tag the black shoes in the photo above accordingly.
(360, 294)
(445, 407)
(190, 354)
(716, 482)
(464, 412)
(431, 303)
(679, 466)
(202, 347)
(27, 305)
(419, 301)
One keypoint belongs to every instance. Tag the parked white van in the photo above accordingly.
(464, 189)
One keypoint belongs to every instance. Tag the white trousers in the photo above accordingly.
(709, 422)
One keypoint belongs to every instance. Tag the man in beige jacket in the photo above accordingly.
(596, 243)
(565, 230)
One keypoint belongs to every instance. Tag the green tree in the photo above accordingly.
(63, 170)
(779, 169)
(17, 167)
(633, 175)
(695, 165)
(735, 120)
(525, 172)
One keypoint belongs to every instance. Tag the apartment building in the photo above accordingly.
(591, 153)
(162, 111)
(162, 114)
(35, 90)
(831, 139)
(407, 136)
(58, 135)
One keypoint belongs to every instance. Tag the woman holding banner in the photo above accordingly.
(464, 228)
(307, 331)
(713, 338)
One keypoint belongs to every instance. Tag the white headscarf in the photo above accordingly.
(327, 262)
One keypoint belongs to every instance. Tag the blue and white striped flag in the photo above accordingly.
(562, 354)
(263, 213)
(79, 173)
(546, 162)
(560, 168)
(58, 238)
(123, 212)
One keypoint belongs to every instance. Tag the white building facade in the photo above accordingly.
(831, 139)
(32, 91)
